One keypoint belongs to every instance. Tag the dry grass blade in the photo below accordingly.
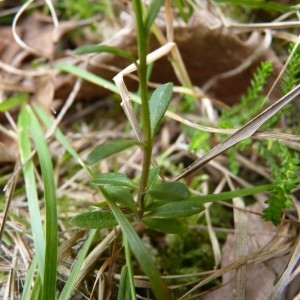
(267, 252)
(11, 189)
(241, 246)
(291, 272)
(245, 132)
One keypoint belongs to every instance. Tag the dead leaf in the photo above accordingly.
(207, 48)
(260, 276)
(8, 149)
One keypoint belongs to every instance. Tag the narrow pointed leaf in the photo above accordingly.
(124, 292)
(152, 12)
(71, 281)
(169, 191)
(158, 104)
(113, 179)
(44, 156)
(165, 225)
(243, 133)
(13, 101)
(109, 148)
(105, 49)
(232, 194)
(31, 188)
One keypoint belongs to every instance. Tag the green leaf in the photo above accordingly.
(113, 179)
(44, 156)
(175, 209)
(48, 121)
(169, 191)
(70, 285)
(232, 194)
(25, 150)
(153, 175)
(107, 49)
(13, 101)
(88, 76)
(158, 104)
(165, 225)
(152, 12)
(27, 291)
(122, 196)
(109, 148)
(138, 248)
(95, 220)
(124, 292)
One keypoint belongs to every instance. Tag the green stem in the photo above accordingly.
(142, 39)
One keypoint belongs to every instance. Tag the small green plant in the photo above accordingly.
(149, 200)
(285, 176)
(283, 161)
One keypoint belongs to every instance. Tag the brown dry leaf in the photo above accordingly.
(260, 276)
(45, 92)
(8, 149)
(8, 47)
(207, 48)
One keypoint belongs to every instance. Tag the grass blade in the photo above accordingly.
(29, 279)
(69, 286)
(49, 276)
(31, 189)
(48, 121)
(152, 12)
(105, 49)
(13, 101)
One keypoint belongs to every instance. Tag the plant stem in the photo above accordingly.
(142, 39)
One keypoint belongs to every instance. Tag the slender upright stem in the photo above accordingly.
(142, 39)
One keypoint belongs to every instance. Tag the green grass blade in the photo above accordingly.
(81, 73)
(36, 292)
(138, 248)
(88, 76)
(31, 189)
(69, 286)
(105, 49)
(129, 269)
(29, 279)
(233, 194)
(13, 101)
(48, 121)
(49, 281)
(152, 12)
(124, 292)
